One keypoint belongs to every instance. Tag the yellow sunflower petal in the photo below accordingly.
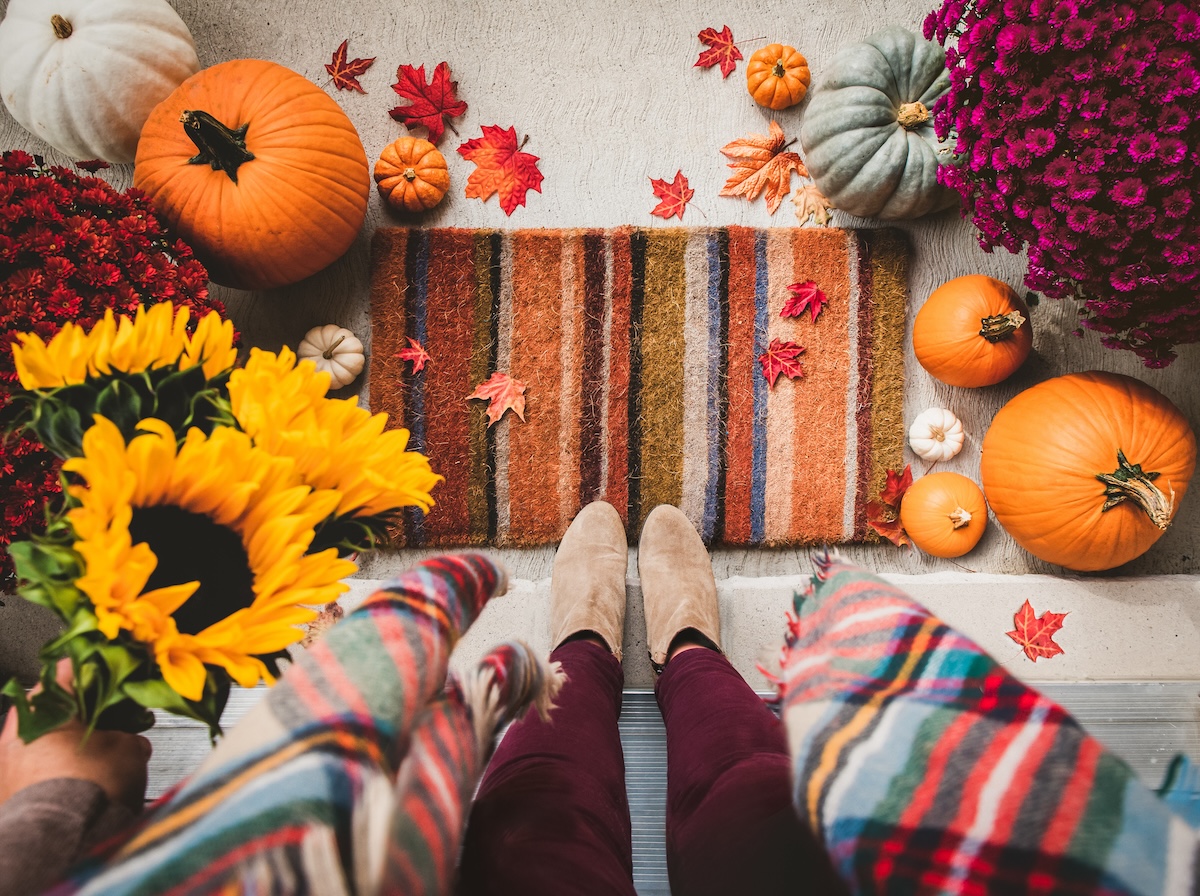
(211, 346)
(181, 669)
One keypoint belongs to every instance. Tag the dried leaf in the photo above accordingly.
(781, 357)
(326, 619)
(759, 165)
(812, 203)
(804, 295)
(1035, 633)
(92, 165)
(501, 392)
(896, 485)
(885, 520)
(721, 50)
(675, 196)
(415, 353)
(500, 167)
(345, 74)
(431, 104)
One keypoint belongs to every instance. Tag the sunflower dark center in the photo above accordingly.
(190, 547)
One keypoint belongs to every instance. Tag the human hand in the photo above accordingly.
(114, 760)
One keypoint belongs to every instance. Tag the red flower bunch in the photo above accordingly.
(71, 247)
(1078, 134)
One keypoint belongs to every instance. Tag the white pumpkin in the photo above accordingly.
(334, 349)
(83, 75)
(936, 435)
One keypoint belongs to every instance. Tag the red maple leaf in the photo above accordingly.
(896, 485)
(1035, 633)
(804, 295)
(721, 50)
(92, 165)
(675, 196)
(501, 392)
(759, 163)
(885, 520)
(781, 357)
(415, 353)
(500, 167)
(345, 74)
(431, 104)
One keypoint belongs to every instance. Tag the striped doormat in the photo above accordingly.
(639, 351)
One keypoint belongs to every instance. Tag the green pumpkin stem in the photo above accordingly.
(62, 28)
(222, 148)
(1129, 482)
(328, 353)
(912, 115)
(1000, 326)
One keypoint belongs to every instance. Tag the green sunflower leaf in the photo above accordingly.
(120, 403)
(43, 712)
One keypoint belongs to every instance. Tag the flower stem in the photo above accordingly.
(1000, 326)
(222, 148)
(1129, 482)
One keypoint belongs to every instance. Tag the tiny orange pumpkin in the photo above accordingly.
(777, 76)
(412, 174)
(972, 331)
(944, 514)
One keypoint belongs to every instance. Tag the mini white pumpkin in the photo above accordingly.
(936, 435)
(83, 75)
(334, 349)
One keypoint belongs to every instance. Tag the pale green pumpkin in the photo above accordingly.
(868, 134)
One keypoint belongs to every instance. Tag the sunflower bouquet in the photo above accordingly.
(207, 510)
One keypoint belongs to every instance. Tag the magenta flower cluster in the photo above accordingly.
(1078, 136)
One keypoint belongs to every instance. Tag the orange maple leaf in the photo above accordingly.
(345, 74)
(1035, 633)
(500, 167)
(415, 353)
(759, 164)
(674, 195)
(781, 357)
(885, 520)
(721, 50)
(501, 392)
(896, 485)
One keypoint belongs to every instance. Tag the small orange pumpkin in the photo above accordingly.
(944, 514)
(258, 170)
(412, 174)
(972, 331)
(777, 76)
(1087, 470)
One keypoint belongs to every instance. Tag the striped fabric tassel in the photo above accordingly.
(450, 749)
(639, 350)
(926, 767)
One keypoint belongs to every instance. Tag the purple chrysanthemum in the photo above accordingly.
(1039, 141)
(1143, 147)
(1129, 192)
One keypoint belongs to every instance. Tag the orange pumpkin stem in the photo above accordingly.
(1000, 326)
(1129, 482)
(960, 517)
(912, 115)
(410, 174)
(328, 353)
(62, 28)
(778, 70)
(222, 148)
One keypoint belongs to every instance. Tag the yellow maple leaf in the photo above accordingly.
(812, 203)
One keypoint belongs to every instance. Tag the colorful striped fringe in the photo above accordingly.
(926, 768)
(639, 349)
(355, 772)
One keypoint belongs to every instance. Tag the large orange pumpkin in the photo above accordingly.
(258, 170)
(777, 76)
(1087, 470)
(972, 331)
(944, 514)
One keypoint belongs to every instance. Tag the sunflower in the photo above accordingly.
(199, 551)
(335, 444)
(151, 339)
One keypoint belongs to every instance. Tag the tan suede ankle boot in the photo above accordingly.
(587, 587)
(678, 587)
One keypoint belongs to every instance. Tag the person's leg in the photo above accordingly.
(552, 815)
(730, 823)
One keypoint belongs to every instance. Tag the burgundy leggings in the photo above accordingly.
(552, 816)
